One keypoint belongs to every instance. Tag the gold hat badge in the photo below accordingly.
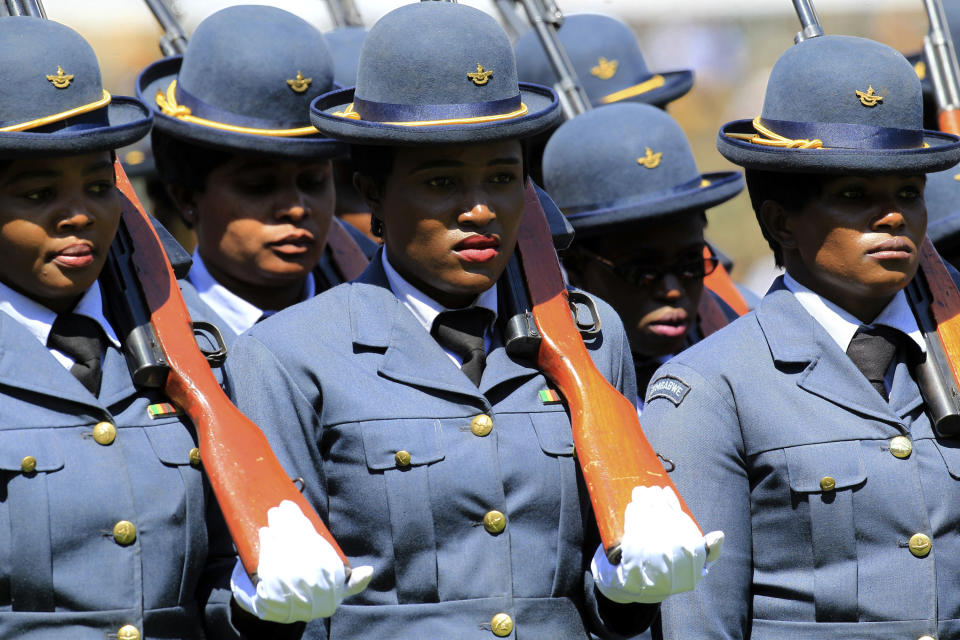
(604, 69)
(481, 76)
(651, 160)
(61, 80)
(299, 84)
(869, 99)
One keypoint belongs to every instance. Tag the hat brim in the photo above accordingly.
(159, 75)
(128, 120)
(676, 84)
(942, 152)
(722, 186)
(543, 112)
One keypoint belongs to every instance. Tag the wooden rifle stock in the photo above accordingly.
(613, 453)
(721, 284)
(245, 476)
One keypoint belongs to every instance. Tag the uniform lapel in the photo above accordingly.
(795, 337)
(26, 364)
(116, 383)
(379, 320)
(501, 368)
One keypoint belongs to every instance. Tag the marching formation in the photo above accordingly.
(397, 389)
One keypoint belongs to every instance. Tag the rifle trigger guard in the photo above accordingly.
(578, 298)
(217, 356)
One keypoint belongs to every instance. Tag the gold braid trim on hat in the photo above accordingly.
(774, 139)
(57, 117)
(522, 111)
(170, 107)
(655, 82)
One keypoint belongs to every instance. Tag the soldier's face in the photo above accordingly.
(451, 215)
(856, 243)
(58, 217)
(656, 315)
(263, 222)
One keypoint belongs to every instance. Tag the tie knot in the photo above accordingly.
(81, 339)
(872, 349)
(461, 331)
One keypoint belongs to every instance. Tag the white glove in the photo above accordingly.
(662, 550)
(301, 576)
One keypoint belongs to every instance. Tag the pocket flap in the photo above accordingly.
(553, 432)
(825, 466)
(40, 444)
(383, 439)
(171, 441)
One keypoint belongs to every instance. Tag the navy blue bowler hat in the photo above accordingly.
(840, 104)
(345, 43)
(245, 84)
(605, 54)
(942, 196)
(53, 101)
(436, 73)
(627, 162)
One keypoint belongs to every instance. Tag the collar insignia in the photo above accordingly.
(299, 84)
(869, 99)
(61, 80)
(605, 69)
(651, 160)
(481, 76)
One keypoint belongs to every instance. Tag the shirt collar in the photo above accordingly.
(237, 313)
(424, 308)
(38, 319)
(841, 325)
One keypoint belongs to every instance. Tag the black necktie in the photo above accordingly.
(461, 331)
(80, 338)
(872, 350)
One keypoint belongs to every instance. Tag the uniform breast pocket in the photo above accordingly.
(27, 458)
(824, 478)
(399, 456)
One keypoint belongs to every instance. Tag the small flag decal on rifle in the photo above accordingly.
(162, 409)
(549, 396)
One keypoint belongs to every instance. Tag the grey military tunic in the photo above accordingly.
(841, 511)
(104, 531)
(467, 502)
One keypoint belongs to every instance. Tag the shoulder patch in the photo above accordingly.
(670, 387)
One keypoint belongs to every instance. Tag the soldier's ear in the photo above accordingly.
(776, 222)
(184, 198)
(369, 190)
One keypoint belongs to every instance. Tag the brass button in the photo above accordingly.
(494, 522)
(402, 458)
(920, 544)
(827, 483)
(128, 632)
(195, 457)
(481, 425)
(124, 532)
(926, 638)
(501, 625)
(901, 447)
(28, 464)
(104, 433)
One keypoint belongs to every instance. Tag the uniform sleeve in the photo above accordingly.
(264, 391)
(694, 424)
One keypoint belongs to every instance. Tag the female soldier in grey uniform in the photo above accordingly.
(800, 429)
(436, 457)
(107, 529)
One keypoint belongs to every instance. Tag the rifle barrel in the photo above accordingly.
(546, 18)
(344, 13)
(938, 48)
(809, 21)
(174, 41)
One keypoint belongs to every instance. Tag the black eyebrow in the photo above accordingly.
(454, 164)
(50, 173)
(97, 166)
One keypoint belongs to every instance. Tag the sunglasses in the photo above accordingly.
(640, 274)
